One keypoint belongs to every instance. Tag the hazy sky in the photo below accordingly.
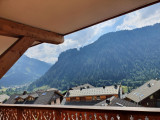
(49, 52)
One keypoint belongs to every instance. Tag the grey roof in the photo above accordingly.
(34, 95)
(3, 97)
(108, 90)
(114, 101)
(50, 89)
(43, 97)
(22, 96)
(82, 86)
(144, 91)
(12, 99)
(78, 103)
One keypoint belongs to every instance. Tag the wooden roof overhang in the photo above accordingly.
(24, 23)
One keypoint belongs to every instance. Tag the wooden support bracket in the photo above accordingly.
(14, 29)
(12, 54)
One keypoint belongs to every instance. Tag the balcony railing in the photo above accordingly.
(48, 112)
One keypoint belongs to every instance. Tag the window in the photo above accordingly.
(30, 99)
(73, 99)
(93, 98)
(82, 98)
(151, 97)
(44, 93)
(16, 97)
(98, 98)
(20, 100)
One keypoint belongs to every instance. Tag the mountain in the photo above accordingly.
(25, 70)
(129, 56)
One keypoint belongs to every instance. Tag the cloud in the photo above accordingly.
(99, 28)
(141, 18)
(49, 52)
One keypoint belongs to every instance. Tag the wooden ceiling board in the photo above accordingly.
(5, 43)
(66, 16)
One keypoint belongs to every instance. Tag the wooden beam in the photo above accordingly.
(36, 43)
(5, 34)
(12, 54)
(14, 29)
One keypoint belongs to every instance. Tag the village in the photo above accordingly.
(146, 95)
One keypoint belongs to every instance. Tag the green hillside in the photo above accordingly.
(131, 57)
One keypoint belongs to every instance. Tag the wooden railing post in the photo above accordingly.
(19, 113)
(58, 114)
(42, 112)
(125, 116)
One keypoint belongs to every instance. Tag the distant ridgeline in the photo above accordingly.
(25, 71)
(130, 57)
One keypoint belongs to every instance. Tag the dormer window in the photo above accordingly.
(44, 93)
(20, 100)
(31, 99)
(16, 97)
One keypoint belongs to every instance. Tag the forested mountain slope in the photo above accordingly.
(130, 57)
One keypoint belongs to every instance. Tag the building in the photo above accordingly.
(91, 96)
(147, 95)
(114, 101)
(3, 98)
(50, 97)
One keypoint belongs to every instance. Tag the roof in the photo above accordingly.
(82, 86)
(108, 90)
(22, 96)
(43, 97)
(78, 103)
(67, 16)
(3, 97)
(114, 101)
(34, 95)
(5, 43)
(144, 91)
(50, 89)
(84, 103)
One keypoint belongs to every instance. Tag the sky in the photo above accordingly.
(49, 53)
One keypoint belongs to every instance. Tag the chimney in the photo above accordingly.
(149, 84)
(70, 89)
(120, 92)
(115, 86)
(25, 92)
(108, 101)
(68, 93)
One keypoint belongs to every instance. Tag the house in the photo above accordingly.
(147, 95)
(3, 98)
(114, 101)
(48, 97)
(91, 96)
